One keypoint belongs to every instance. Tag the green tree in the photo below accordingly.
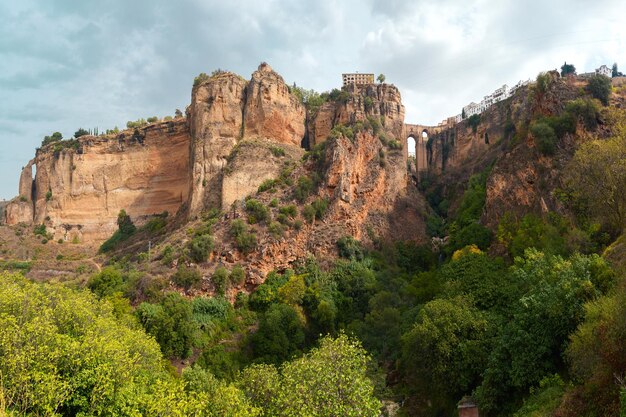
(80, 132)
(310, 387)
(171, 323)
(545, 138)
(551, 292)
(187, 277)
(597, 174)
(280, 335)
(55, 137)
(567, 69)
(446, 350)
(381, 78)
(599, 87)
(615, 72)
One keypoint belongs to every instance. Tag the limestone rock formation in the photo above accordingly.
(252, 163)
(78, 192)
(271, 111)
(380, 101)
(215, 119)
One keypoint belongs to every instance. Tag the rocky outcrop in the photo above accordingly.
(271, 111)
(79, 190)
(225, 110)
(252, 163)
(81, 185)
(215, 122)
(358, 103)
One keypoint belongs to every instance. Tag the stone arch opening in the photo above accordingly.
(424, 135)
(411, 142)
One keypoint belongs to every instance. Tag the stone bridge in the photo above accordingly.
(417, 133)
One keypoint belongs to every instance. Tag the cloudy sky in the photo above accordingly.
(66, 64)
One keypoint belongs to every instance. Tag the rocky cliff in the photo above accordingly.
(236, 135)
(79, 188)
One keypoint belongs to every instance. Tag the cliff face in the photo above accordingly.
(271, 111)
(216, 120)
(79, 191)
(226, 110)
(379, 101)
(237, 134)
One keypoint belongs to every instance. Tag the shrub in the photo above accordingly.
(202, 77)
(152, 119)
(49, 195)
(320, 205)
(237, 276)
(340, 130)
(266, 185)
(220, 279)
(257, 212)
(276, 151)
(290, 210)
(599, 87)
(586, 110)
(394, 144)
(276, 230)
(308, 212)
(350, 248)
(303, 188)
(246, 242)
(40, 230)
(237, 227)
(274, 203)
(545, 138)
(106, 282)
(187, 277)
(200, 246)
(55, 137)
(80, 132)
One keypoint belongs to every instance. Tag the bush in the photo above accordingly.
(586, 110)
(308, 212)
(350, 248)
(274, 203)
(107, 282)
(276, 230)
(290, 211)
(237, 227)
(202, 77)
(49, 195)
(246, 242)
(545, 138)
(171, 323)
(152, 119)
(303, 188)
(276, 151)
(599, 87)
(266, 185)
(220, 279)
(394, 144)
(320, 205)
(186, 277)
(126, 229)
(200, 247)
(237, 276)
(56, 137)
(257, 212)
(80, 132)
